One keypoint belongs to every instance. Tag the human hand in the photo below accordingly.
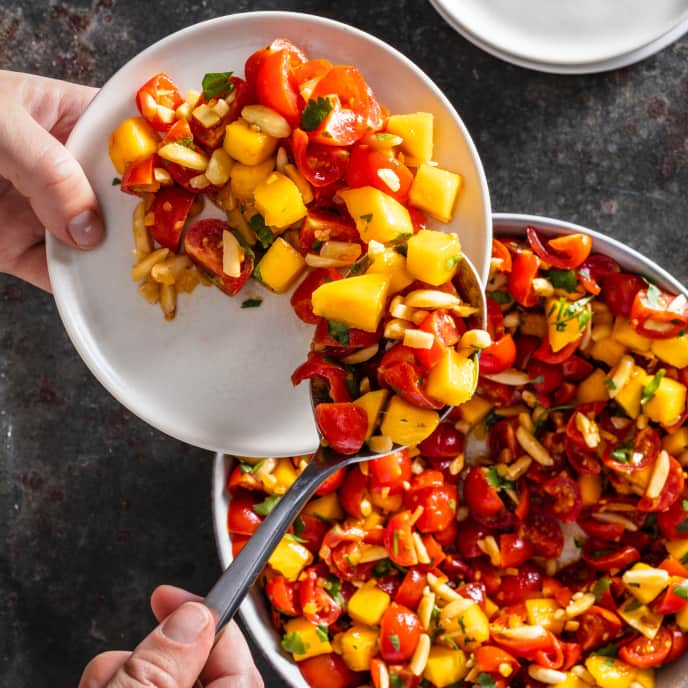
(179, 653)
(42, 186)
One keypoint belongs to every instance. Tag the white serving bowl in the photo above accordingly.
(218, 376)
(254, 610)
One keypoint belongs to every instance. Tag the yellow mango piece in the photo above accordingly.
(377, 215)
(408, 424)
(473, 627)
(279, 201)
(434, 191)
(677, 548)
(355, 301)
(246, 145)
(540, 612)
(445, 666)
(682, 619)
(645, 677)
(368, 604)
(608, 350)
(387, 503)
(359, 646)
(372, 403)
(676, 442)
(285, 474)
(389, 262)
(245, 178)
(668, 403)
(640, 617)
(572, 681)
(566, 321)
(609, 672)
(313, 644)
(326, 508)
(290, 558)
(281, 265)
(453, 380)
(475, 409)
(673, 351)
(134, 139)
(626, 335)
(630, 394)
(645, 582)
(591, 489)
(593, 388)
(433, 256)
(417, 131)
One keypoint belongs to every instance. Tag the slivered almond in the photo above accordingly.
(206, 116)
(659, 476)
(419, 659)
(267, 120)
(542, 287)
(380, 444)
(421, 551)
(425, 607)
(490, 547)
(589, 429)
(475, 339)
(389, 178)
(418, 339)
(532, 447)
(580, 605)
(231, 255)
(646, 576)
(523, 632)
(511, 377)
(184, 156)
(395, 328)
(361, 355)
(621, 375)
(609, 517)
(431, 298)
(372, 553)
(548, 676)
(341, 250)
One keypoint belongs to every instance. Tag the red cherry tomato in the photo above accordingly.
(328, 671)
(516, 588)
(241, 518)
(545, 377)
(526, 648)
(439, 504)
(668, 601)
(203, 244)
(501, 252)
(679, 644)
(468, 536)
(170, 209)
(282, 595)
(239, 478)
(612, 532)
(576, 369)
(619, 290)
(481, 497)
(369, 167)
(400, 629)
(499, 356)
(398, 539)
(673, 487)
(544, 532)
(139, 177)
(442, 326)
(274, 87)
(594, 269)
(357, 339)
(633, 455)
(445, 442)
(320, 165)
(157, 100)
(503, 436)
(562, 252)
(520, 283)
(318, 365)
(647, 652)
(659, 316)
(603, 557)
(353, 491)
(306, 75)
(514, 550)
(674, 521)
(598, 627)
(492, 659)
(343, 425)
(411, 589)
(312, 532)
(331, 483)
(399, 371)
(390, 471)
(566, 497)
(545, 353)
(317, 604)
(322, 225)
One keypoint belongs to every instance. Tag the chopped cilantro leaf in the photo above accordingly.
(650, 389)
(186, 141)
(293, 538)
(632, 606)
(610, 384)
(601, 586)
(501, 297)
(462, 624)
(368, 217)
(248, 468)
(332, 586)
(682, 527)
(435, 615)
(299, 526)
(264, 233)
(494, 479)
(395, 681)
(682, 590)
(315, 113)
(382, 568)
(292, 642)
(267, 505)
(394, 641)
(653, 294)
(338, 331)
(321, 632)
(566, 311)
(609, 650)
(562, 279)
(490, 419)
(316, 245)
(452, 261)
(623, 452)
(216, 84)
(485, 681)
(401, 249)
(251, 303)
(116, 181)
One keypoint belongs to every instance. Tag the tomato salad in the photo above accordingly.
(539, 536)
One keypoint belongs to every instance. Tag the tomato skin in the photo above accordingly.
(401, 622)
(331, 483)
(566, 495)
(562, 252)
(468, 536)
(301, 298)
(500, 251)
(319, 225)
(544, 532)
(646, 446)
(576, 369)
(318, 365)
(598, 627)
(619, 290)
(514, 550)
(358, 339)
(446, 442)
(170, 209)
(499, 356)
(442, 326)
(612, 532)
(516, 588)
(316, 603)
(439, 504)
(399, 371)
(490, 658)
(679, 644)
(481, 498)
(668, 601)
(545, 354)
(314, 530)
(364, 165)
(398, 539)
(643, 653)
(343, 425)
(353, 490)
(602, 557)
(410, 591)
(674, 521)
(139, 177)
(241, 518)
(211, 138)
(159, 90)
(274, 88)
(390, 471)
(594, 269)
(655, 318)
(328, 671)
(320, 165)
(552, 376)
(673, 487)
(282, 595)
(520, 282)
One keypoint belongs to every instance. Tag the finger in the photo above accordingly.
(44, 171)
(166, 598)
(32, 266)
(230, 658)
(102, 668)
(253, 680)
(173, 654)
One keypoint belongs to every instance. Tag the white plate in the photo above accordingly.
(255, 613)
(218, 376)
(568, 37)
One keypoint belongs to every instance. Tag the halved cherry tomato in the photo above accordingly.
(544, 532)
(442, 326)
(445, 442)
(318, 365)
(660, 315)
(521, 647)
(481, 497)
(307, 75)
(514, 550)
(520, 282)
(399, 371)
(469, 534)
(343, 425)
(545, 377)
(515, 588)
(439, 504)
(301, 298)
(331, 483)
(619, 290)
(282, 595)
(203, 244)
(398, 539)
(320, 226)
(673, 522)
(411, 589)
(545, 353)
(320, 165)
(644, 652)
(274, 87)
(238, 542)
(317, 604)
(328, 671)
(353, 491)
(499, 356)
(679, 644)
(312, 532)
(170, 209)
(400, 629)
(139, 177)
(594, 269)
(501, 252)
(633, 455)
(612, 532)
(241, 518)
(598, 627)
(390, 472)
(553, 658)
(562, 252)
(503, 436)
(673, 487)
(551, 587)
(369, 167)
(572, 654)
(603, 557)
(576, 369)
(157, 100)
(566, 497)
(668, 601)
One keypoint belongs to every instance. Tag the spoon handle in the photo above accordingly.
(229, 591)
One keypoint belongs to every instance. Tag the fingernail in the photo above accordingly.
(186, 623)
(86, 229)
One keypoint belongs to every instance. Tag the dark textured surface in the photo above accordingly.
(96, 508)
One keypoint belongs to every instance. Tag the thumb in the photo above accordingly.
(45, 172)
(174, 654)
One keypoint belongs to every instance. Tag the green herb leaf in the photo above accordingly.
(609, 650)
(600, 588)
(292, 642)
(332, 586)
(401, 249)
(462, 624)
(216, 84)
(650, 389)
(394, 641)
(263, 232)
(187, 142)
(267, 505)
(563, 279)
(452, 261)
(485, 681)
(653, 294)
(632, 606)
(682, 590)
(435, 614)
(368, 217)
(501, 297)
(251, 468)
(494, 479)
(490, 419)
(382, 568)
(623, 452)
(116, 181)
(293, 538)
(251, 303)
(682, 527)
(338, 331)
(610, 384)
(322, 632)
(566, 311)
(316, 245)
(315, 113)
(299, 526)
(256, 273)
(395, 681)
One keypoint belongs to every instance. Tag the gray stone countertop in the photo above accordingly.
(96, 507)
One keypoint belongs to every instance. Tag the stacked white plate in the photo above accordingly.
(568, 36)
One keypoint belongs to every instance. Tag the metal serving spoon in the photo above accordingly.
(231, 588)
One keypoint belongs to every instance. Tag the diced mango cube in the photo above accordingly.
(645, 582)
(281, 265)
(307, 633)
(676, 442)
(279, 201)
(368, 604)
(608, 350)
(572, 681)
(388, 503)
(434, 191)
(475, 409)
(609, 672)
(417, 131)
(327, 508)
(445, 666)
(591, 489)
(134, 139)
(682, 619)
(290, 558)
(640, 617)
(433, 256)
(668, 402)
(673, 351)
(453, 380)
(248, 146)
(377, 215)
(630, 394)
(372, 403)
(468, 626)
(566, 321)
(593, 388)
(645, 677)
(284, 474)
(245, 178)
(355, 301)
(408, 424)
(540, 612)
(389, 262)
(359, 646)
(678, 549)
(624, 333)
